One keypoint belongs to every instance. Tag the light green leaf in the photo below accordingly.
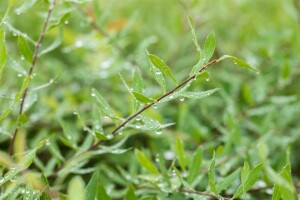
(2, 51)
(251, 179)
(211, 175)
(192, 26)
(54, 44)
(76, 189)
(24, 49)
(197, 67)
(142, 98)
(25, 6)
(198, 95)
(209, 47)
(151, 124)
(194, 168)
(286, 194)
(156, 73)
(245, 172)
(102, 193)
(130, 195)
(137, 86)
(101, 136)
(145, 162)
(103, 105)
(179, 150)
(22, 119)
(161, 65)
(163, 169)
(203, 75)
(226, 182)
(238, 62)
(276, 193)
(56, 22)
(91, 188)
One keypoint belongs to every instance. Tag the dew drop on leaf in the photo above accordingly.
(138, 118)
(207, 79)
(154, 106)
(181, 99)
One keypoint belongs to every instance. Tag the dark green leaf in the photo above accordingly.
(101, 194)
(24, 49)
(2, 51)
(130, 195)
(161, 65)
(142, 98)
(91, 188)
(22, 119)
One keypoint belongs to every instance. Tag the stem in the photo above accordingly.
(33, 64)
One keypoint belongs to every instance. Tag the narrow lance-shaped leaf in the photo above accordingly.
(95, 190)
(130, 195)
(209, 47)
(25, 6)
(24, 49)
(226, 182)
(103, 105)
(60, 21)
(162, 66)
(179, 149)
(145, 162)
(2, 51)
(211, 175)
(198, 95)
(286, 194)
(142, 98)
(156, 73)
(251, 179)
(238, 62)
(54, 44)
(137, 86)
(192, 26)
(244, 175)
(195, 166)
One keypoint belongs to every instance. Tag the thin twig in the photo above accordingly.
(33, 64)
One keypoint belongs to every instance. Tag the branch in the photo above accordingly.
(33, 64)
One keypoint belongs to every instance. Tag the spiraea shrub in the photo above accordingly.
(135, 100)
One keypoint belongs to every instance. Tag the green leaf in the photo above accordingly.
(194, 168)
(163, 169)
(2, 51)
(151, 124)
(238, 62)
(245, 172)
(203, 75)
(286, 194)
(130, 195)
(137, 86)
(95, 189)
(158, 76)
(226, 182)
(145, 162)
(276, 193)
(179, 150)
(161, 65)
(54, 44)
(24, 49)
(103, 105)
(197, 67)
(192, 26)
(209, 47)
(76, 189)
(198, 95)
(25, 6)
(59, 21)
(22, 119)
(102, 193)
(211, 175)
(251, 179)
(142, 98)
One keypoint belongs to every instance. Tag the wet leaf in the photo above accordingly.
(209, 47)
(24, 49)
(145, 162)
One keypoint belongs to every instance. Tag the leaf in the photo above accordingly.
(209, 47)
(137, 86)
(22, 119)
(101, 194)
(76, 189)
(145, 162)
(192, 26)
(151, 124)
(3, 55)
(197, 67)
(59, 21)
(156, 73)
(195, 166)
(130, 195)
(276, 193)
(103, 105)
(179, 150)
(226, 182)
(251, 179)
(286, 194)
(5, 160)
(198, 95)
(245, 172)
(204, 75)
(161, 65)
(26, 6)
(239, 62)
(24, 49)
(142, 98)
(54, 44)
(211, 175)
(91, 188)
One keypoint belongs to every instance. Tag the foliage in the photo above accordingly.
(135, 100)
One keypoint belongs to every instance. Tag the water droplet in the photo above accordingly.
(20, 75)
(15, 34)
(181, 99)
(158, 132)
(207, 79)
(171, 97)
(75, 112)
(66, 22)
(155, 106)
(18, 12)
(257, 72)
(78, 43)
(138, 126)
(195, 78)
(173, 173)
(157, 159)
(97, 126)
(235, 63)
(22, 58)
(13, 179)
(169, 155)
(48, 143)
(5, 22)
(21, 99)
(110, 136)
(93, 94)
(1, 180)
(85, 128)
(158, 73)
(138, 118)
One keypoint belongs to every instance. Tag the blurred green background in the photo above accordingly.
(253, 117)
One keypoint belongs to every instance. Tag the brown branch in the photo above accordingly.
(33, 64)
